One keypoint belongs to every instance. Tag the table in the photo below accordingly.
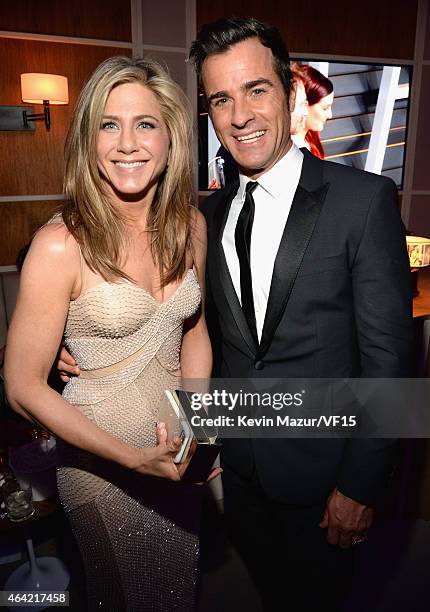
(42, 510)
(38, 573)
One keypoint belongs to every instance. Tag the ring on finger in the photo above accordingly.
(359, 539)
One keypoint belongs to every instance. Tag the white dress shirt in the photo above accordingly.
(300, 141)
(273, 198)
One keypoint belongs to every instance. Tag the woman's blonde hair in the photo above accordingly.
(88, 214)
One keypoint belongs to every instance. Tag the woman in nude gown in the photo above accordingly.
(120, 275)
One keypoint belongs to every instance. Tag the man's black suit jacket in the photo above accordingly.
(339, 306)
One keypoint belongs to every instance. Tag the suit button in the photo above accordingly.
(259, 365)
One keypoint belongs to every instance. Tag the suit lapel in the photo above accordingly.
(305, 209)
(221, 267)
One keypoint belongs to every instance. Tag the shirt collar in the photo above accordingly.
(275, 180)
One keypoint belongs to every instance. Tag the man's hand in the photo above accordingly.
(66, 365)
(344, 518)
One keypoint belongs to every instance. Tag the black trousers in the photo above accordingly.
(286, 552)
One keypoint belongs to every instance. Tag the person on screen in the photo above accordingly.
(300, 111)
(121, 274)
(320, 95)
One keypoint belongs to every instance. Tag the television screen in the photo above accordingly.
(368, 128)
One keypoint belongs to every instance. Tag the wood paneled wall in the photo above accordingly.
(19, 222)
(366, 28)
(32, 162)
(105, 19)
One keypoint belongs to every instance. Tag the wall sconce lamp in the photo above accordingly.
(46, 89)
(36, 88)
(419, 257)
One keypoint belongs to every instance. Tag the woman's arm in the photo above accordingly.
(49, 279)
(196, 352)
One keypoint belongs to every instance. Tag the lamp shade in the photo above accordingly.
(418, 250)
(37, 87)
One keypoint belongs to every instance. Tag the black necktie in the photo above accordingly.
(242, 237)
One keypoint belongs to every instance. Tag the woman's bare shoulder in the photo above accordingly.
(53, 253)
(54, 238)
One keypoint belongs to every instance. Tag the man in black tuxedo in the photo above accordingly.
(321, 290)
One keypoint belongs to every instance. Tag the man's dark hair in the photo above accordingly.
(219, 36)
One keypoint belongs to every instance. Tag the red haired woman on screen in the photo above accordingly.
(319, 92)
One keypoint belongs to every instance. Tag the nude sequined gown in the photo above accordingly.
(137, 535)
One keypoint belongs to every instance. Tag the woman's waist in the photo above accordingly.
(97, 359)
(89, 372)
(133, 422)
(130, 411)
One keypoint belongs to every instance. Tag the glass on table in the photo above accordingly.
(19, 503)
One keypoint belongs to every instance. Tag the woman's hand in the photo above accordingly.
(158, 461)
